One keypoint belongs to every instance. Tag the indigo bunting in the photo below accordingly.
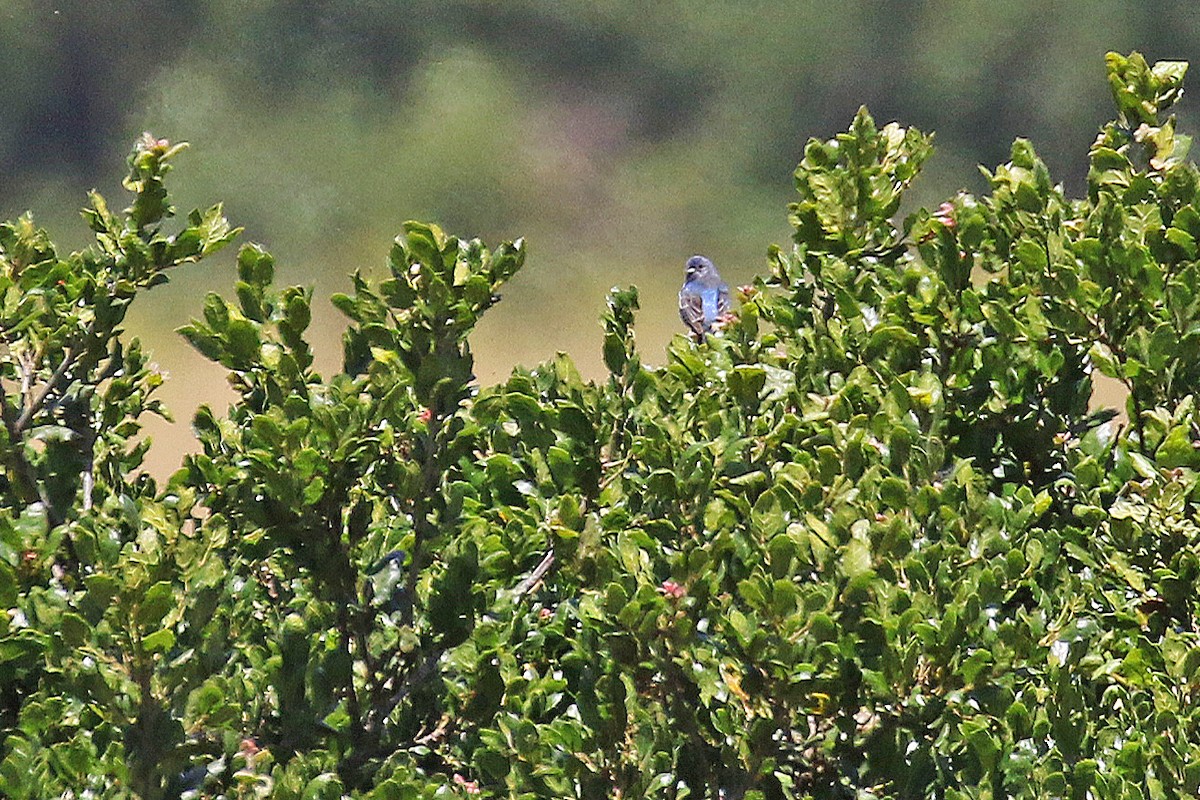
(704, 297)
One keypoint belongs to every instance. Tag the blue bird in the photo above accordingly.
(704, 297)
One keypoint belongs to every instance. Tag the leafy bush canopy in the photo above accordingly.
(868, 541)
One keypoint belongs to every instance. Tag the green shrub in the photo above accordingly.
(868, 541)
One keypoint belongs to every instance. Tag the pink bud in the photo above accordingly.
(945, 215)
(149, 142)
(470, 787)
(672, 589)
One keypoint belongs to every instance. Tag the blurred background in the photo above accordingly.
(618, 137)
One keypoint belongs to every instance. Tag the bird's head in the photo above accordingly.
(697, 267)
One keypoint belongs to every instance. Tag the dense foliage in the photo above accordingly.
(868, 540)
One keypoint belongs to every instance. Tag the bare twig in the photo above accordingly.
(36, 402)
(26, 358)
(88, 478)
(535, 577)
(437, 734)
(614, 468)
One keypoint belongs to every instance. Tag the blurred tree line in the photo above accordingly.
(617, 137)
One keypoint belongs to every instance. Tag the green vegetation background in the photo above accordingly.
(618, 137)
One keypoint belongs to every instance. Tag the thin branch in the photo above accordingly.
(435, 735)
(535, 577)
(543, 568)
(426, 669)
(88, 479)
(24, 472)
(345, 635)
(414, 678)
(26, 358)
(611, 467)
(423, 530)
(38, 400)
(76, 416)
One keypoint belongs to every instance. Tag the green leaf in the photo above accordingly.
(325, 786)
(746, 382)
(74, 629)
(1105, 361)
(159, 642)
(856, 560)
(895, 493)
(154, 604)
(255, 266)
(243, 342)
(101, 589)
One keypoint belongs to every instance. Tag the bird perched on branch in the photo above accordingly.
(704, 298)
